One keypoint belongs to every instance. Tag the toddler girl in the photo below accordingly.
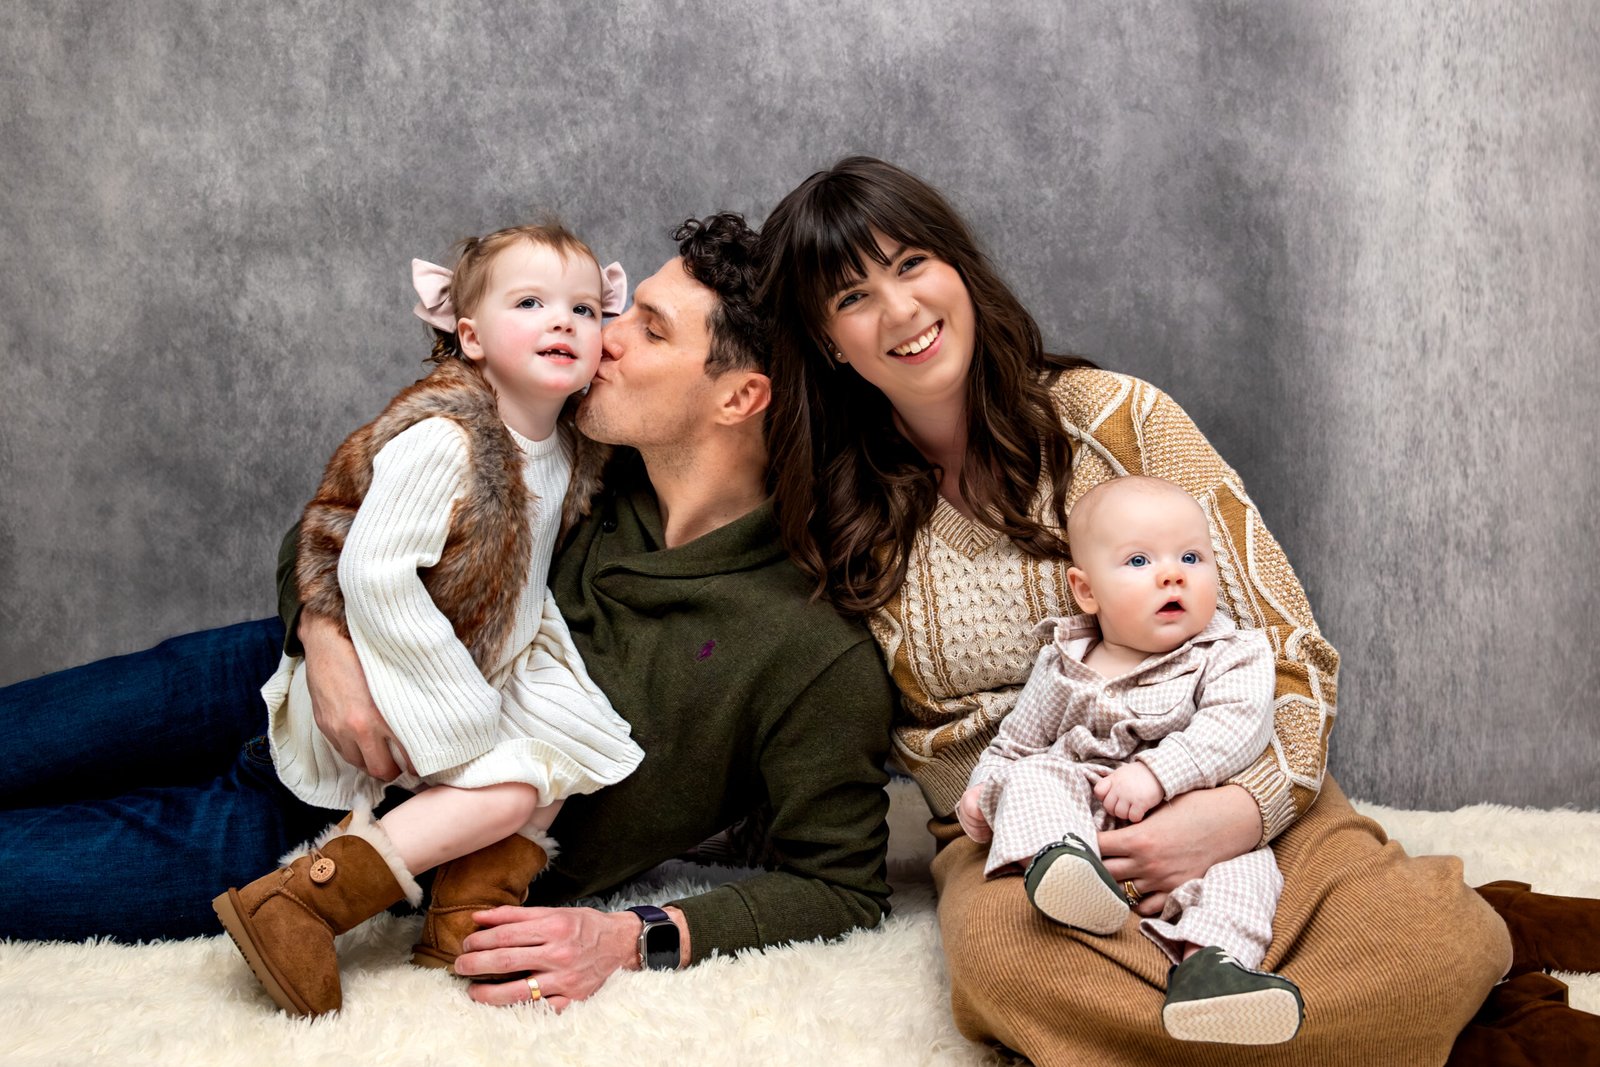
(430, 539)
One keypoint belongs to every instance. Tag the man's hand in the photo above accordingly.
(1182, 839)
(970, 816)
(569, 951)
(1130, 791)
(342, 704)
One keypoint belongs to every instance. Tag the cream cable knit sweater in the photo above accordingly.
(958, 636)
(536, 718)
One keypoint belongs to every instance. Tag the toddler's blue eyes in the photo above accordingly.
(530, 303)
(1138, 560)
(1191, 558)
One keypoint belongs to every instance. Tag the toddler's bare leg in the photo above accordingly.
(443, 822)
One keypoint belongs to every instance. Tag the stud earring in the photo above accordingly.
(838, 356)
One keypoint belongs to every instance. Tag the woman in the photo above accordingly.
(926, 450)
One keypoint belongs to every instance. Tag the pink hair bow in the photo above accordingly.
(432, 283)
(613, 289)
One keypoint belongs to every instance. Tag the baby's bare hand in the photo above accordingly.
(970, 815)
(1130, 791)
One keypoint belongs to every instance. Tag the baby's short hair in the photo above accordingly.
(1080, 520)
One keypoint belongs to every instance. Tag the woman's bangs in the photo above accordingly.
(832, 258)
(842, 241)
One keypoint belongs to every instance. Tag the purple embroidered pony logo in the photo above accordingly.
(705, 652)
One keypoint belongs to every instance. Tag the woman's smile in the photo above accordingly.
(906, 326)
(921, 347)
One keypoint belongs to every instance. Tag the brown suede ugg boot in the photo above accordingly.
(284, 922)
(494, 875)
(1547, 932)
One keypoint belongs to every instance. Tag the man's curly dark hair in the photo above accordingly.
(719, 252)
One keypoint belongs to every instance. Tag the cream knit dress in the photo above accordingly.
(536, 717)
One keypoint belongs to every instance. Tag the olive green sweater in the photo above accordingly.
(743, 695)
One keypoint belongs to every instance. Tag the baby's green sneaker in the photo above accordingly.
(1069, 885)
(1213, 997)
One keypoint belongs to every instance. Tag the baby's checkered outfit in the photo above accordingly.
(1194, 716)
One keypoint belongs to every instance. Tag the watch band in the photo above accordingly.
(658, 939)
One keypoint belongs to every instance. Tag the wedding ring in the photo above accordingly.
(1133, 895)
(533, 989)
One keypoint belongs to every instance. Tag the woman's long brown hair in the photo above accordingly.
(849, 490)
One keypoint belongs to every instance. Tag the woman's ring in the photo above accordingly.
(533, 989)
(1133, 895)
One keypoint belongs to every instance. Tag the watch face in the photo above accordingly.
(661, 946)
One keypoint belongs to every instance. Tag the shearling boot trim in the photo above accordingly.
(362, 826)
(544, 841)
(328, 833)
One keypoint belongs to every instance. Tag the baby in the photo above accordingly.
(430, 540)
(1150, 694)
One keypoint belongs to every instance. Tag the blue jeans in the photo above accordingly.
(135, 789)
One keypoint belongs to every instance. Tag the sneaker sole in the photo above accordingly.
(1259, 1017)
(1071, 893)
(231, 914)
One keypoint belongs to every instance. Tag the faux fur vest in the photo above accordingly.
(484, 564)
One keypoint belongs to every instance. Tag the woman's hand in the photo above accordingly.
(342, 704)
(569, 951)
(1180, 840)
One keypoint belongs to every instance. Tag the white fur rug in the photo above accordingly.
(877, 997)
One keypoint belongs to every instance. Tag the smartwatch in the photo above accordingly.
(658, 941)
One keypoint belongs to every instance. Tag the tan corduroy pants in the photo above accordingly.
(1392, 953)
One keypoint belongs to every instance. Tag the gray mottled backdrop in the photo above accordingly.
(1356, 240)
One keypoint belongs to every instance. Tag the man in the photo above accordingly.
(690, 617)
(743, 694)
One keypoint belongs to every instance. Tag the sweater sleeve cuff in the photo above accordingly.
(1266, 782)
(289, 607)
(718, 922)
(291, 633)
(944, 778)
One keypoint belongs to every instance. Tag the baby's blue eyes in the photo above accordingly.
(585, 310)
(1139, 559)
(529, 303)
